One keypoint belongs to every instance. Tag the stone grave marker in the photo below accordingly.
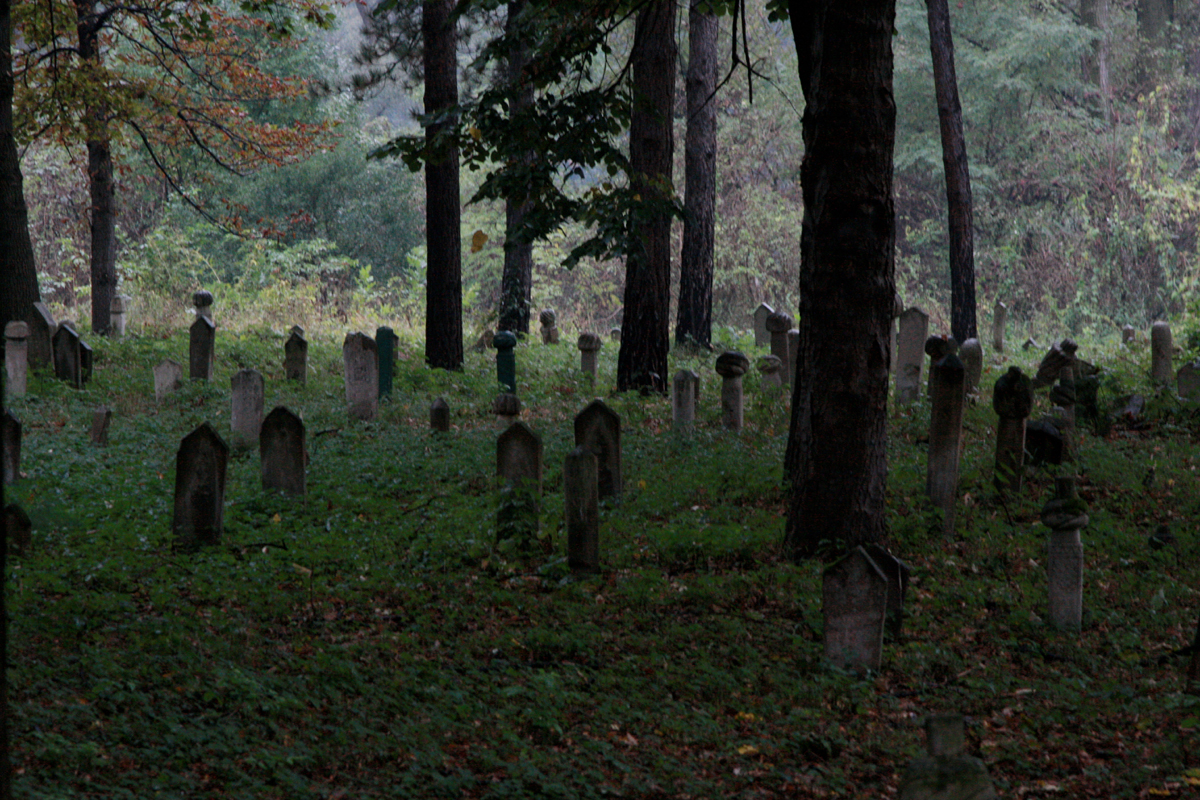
(731, 366)
(999, 323)
(507, 408)
(762, 336)
(946, 773)
(581, 507)
(119, 315)
(483, 342)
(793, 338)
(385, 354)
(910, 354)
(41, 333)
(549, 320)
(598, 429)
(295, 356)
(896, 572)
(168, 376)
(282, 454)
(1160, 353)
(1065, 515)
(505, 343)
(854, 599)
(937, 348)
(87, 361)
(68, 361)
(1187, 381)
(199, 513)
(1043, 443)
(203, 301)
(589, 345)
(202, 349)
(897, 310)
(683, 400)
(361, 370)
(101, 419)
(1059, 357)
(1128, 334)
(945, 437)
(519, 468)
(971, 355)
(615, 334)
(769, 368)
(10, 438)
(20, 529)
(1012, 400)
(778, 325)
(439, 415)
(246, 408)
(16, 357)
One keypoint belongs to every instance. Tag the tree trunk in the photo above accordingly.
(443, 237)
(18, 273)
(958, 176)
(645, 329)
(837, 442)
(516, 283)
(1153, 17)
(1094, 14)
(694, 323)
(5, 763)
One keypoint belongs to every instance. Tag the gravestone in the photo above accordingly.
(519, 467)
(971, 355)
(361, 370)
(199, 513)
(168, 376)
(1063, 397)
(897, 310)
(762, 336)
(615, 334)
(20, 529)
(778, 324)
(16, 357)
(1128, 334)
(483, 342)
(101, 419)
(683, 400)
(1065, 515)
(41, 333)
(10, 438)
(769, 368)
(1060, 356)
(68, 366)
(1187, 381)
(793, 338)
(910, 354)
(385, 354)
(945, 437)
(1160, 353)
(202, 349)
(1012, 400)
(896, 572)
(119, 315)
(507, 408)
(549, 320)
(581, 507)
(439, 415)
(854, 600)
(282, 454)
(999, 322)
(589, 345)
(295, 356)
(731, 366)
(505, 343)
(246, 408)
(946, 773)
(937, 348)
(87, 361)
(203, 301)
(598, 429)
(1043, 443)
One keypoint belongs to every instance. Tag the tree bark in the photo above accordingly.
(1153, 17)
(1094, 14)
(516, 282)
(837, 443)
(645, 333)
(959, 205)
(5, 763)
(443, 237)
(18, 273)
(694, 321)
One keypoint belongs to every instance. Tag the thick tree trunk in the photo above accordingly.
(516, 283)
(5, 763)
(18, 274)
(694, 322)
(1094, 14)
(837, 443)
(645, 333)
(1153, 17)
(958, 176)
(443, 270)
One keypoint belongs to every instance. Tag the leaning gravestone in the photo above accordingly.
(68, 366)
(201, 349)
(246, 407)
(439, 415)
(41, 332)
(1060, 356)
(16, 357)
(168, 376)
(598, 429)
(910, 350)
(947, 773)
(1065, 515)
(295, 356)
(281, 452)
(854, 601)
(10, 437)
(731, 366)
(896, 572)
(199, 513)
(999, 322)
(581, 507)
(762, 336)
(1187, 381)
(589, 345)
(1012, 399)
(361, 375)
(945, 437)
(1160, 353)
(519, 467)
(101, 419)
(683, 400)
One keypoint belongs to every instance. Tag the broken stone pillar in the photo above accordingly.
(16, 357)
(1065, 516)
(589, 353)
(1160, 353)
(999, 322)
(731, 366)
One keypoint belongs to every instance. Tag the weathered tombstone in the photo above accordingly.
(1128, 334)
(549, 321)
(519, 467)
(16, 357)
(119, 315)
(897, 310)
(483, 342)
(999, 322)
(778, 325)
(87, 361)
(914, 328)
(762, 336)
(615, 334)
(101, 419)
(202, 349)
(505, 343)
(947, 773)
(896, 572)
(581, 507)
(282, 455)
(246, 407)
(793, 339)
(10, 437)
(1065, 515)
(507, 408)
(1063, 397)
(683, 400)
(199, 512)
(971, 355)
(1060, 356)
(361, 375)
(769, 368)
(854, 599)
(41, 332)
(20, 529)
(937, 348)
(1043, 443)
(385, 354)
(168, 376)
(1160, 353)
(945, 437)
(1012, 399)
(68, 365)
(439, 415)
(1187, 381)
(295, 356)
(731, 366)
(589, 345)
(203, 301)
(598, 429)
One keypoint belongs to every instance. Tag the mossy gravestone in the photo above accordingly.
(910, 349)
(683, 400)
(246, 407)
(598, 430)
(68, 360)
(295, 356)
(199, 514)
(361, 376)
(854, 601)
(439, 415)
(947, 773)
(945, 436)
(762, 336)
(519, 469)
(101, 419)
(167, 378)
(281, 452)
(1012, 399)
(41, 330)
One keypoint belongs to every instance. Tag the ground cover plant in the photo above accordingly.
(372, 640)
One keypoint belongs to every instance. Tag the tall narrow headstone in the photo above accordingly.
(119, 316)
(16, 357)
(101, 419)
(581, 507)
(937, 348)
(361, 375)
(519, 467)
(945, 438)
(246, 407)
(778, 325)
(201, 349)
(168, 377)
(793, 339)
(41, 333)
(199, 513)
(1065, 515)
(1012, 399)
(589, 345)
(854, 598)
(946, 773)
(203, 301)
(1160, 353)
(505, 343)
(598, 429)
(295, 356)
(68, 365)
(10, 435)
(385, 354)
(731, 366)
(282, 455)
(971, 355)
(914, 329)
(683, 400)
(762, 336)
(549, 320)
(999, 323)
(439, 415)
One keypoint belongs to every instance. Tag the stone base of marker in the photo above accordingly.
(101, 419)
(947, 773)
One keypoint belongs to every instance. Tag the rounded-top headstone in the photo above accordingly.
(779, 322)
(732, 364)
(615, 333)
(938, 347)
(548, 317)
(590, 342)
(202, 298)
(504, 340)
(17, 329)
(1012, 397)
(118, 304)
(1128, 334)
(897, 306)
(506, 405)
(769, 365)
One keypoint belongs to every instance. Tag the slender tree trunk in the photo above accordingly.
(958, 176)
(516, 283)
(18, 273)
(1153, 17)
(694, 323)
(1094, 14)
(5, 763)
(837, 442)
(645, 333)
(443, 271)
